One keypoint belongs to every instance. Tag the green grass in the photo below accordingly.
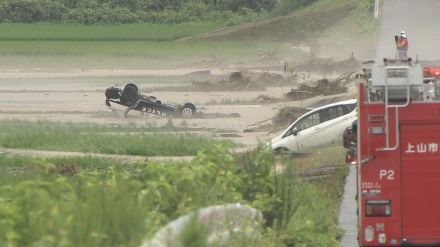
(147, 49)
(140, 54)
(149, 41)
(71, 32)
(99, 139)
(15, 169)
(328, 156)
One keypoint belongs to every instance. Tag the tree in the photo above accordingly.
(255, 5)
(71, 3)
(130, 4)
(31, 10)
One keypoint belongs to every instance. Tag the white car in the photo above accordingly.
(319, 127)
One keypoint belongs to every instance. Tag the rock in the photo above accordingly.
(221, 222)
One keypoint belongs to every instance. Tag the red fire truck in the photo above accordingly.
(398, 155)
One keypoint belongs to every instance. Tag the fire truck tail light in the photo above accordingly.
(369, 234)
(378, 209)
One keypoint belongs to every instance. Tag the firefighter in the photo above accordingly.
(402, 45)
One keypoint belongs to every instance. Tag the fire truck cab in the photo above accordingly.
(398, 155)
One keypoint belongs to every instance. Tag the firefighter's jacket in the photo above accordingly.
(402, 43)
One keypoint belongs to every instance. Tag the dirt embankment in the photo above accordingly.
(293, 28)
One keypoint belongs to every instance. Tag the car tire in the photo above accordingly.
(129, 95)
(113, 93)
(132, 85)
(188, 110)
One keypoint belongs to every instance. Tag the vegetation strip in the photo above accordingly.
(84, 202)
(134, 32)
(127, 158)
(92, 138)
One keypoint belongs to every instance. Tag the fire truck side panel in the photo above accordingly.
(379, 179)
(398, 154)
(406, 180)
(420, 181)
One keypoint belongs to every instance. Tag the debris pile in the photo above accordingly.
(322, 87)
(283, 118)
(270, 77)
(237, 81)
(265, 99)
(287, 116)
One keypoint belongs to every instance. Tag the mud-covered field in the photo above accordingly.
(60, 77)
(78, 96)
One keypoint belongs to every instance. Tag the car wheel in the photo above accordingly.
(188, 110)
(132, 85)
(113, 93)
(129, 96)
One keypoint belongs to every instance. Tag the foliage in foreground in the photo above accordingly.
(123, 207)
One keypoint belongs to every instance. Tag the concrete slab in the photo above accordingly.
(347, 213)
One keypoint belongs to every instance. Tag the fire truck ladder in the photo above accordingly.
(386, 118)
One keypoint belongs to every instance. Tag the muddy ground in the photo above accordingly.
(78, 96)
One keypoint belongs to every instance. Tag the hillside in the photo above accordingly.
(335, 30)
(292, 28)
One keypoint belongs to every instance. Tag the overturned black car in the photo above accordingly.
(131, 98)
